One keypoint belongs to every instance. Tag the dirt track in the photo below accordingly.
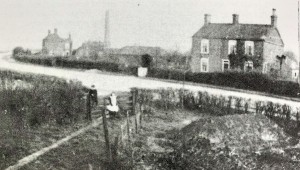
(106, 83)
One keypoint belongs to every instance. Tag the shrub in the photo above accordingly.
(41, 99)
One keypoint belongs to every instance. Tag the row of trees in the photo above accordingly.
(20, 51)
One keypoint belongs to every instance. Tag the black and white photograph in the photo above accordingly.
(149, 85)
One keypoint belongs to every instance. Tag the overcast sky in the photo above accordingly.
(166, 23)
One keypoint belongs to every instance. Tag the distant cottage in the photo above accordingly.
(219, 47)
(54, 45)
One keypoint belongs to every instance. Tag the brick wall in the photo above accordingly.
(270, 51)
(216, 51)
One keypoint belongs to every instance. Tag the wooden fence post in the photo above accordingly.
(128, 128)
(134, 103)
(106, 135)
(136, 123)
(297, 119)
(141, 115)
(133, 92)
(115, 148)
(88, 107)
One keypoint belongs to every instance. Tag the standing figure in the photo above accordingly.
(93, 96)
(113, 107)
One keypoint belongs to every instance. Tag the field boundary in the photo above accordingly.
(223, 88)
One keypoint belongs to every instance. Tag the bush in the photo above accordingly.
(40, 99)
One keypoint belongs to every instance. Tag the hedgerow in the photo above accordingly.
(40, 99)
(241, 80)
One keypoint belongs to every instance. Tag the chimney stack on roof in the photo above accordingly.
(207, 18)
(235, 19)
(55, 30)
(274, 19)
(49, 32)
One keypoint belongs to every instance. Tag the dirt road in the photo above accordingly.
(106, 83)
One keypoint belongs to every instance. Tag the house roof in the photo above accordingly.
(240, 31)
(141, 50)
(55, 37)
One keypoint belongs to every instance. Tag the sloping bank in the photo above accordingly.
(233, 133)
(230, 142)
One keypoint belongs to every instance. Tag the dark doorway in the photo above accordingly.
(146, 60)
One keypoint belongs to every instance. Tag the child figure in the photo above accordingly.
(113, 107)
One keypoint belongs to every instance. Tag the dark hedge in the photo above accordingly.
(242, 80)
(79, 64)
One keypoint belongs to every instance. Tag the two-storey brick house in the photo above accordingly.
(218, 47)
(54, 45)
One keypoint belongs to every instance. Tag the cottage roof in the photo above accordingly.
(240, 31)
(55, 38)
(141, 50)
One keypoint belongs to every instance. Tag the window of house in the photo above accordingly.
(51, 52)
(225, 65)
(265, 68)
(248, 66)
(67, 46)
(205, 46)
(249, 47)
(232, 47)
(204, 64)
(295, 74)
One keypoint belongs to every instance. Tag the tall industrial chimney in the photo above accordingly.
(106, 34)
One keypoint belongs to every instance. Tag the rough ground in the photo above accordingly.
(254, 142)
(153, 134)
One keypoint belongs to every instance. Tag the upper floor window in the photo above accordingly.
(205, 46)
(249, 47)
(232, 47)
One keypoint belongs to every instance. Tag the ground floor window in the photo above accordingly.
(295, 74)
(225, 64)
(265, 68)
(204, 64)
(248, 66)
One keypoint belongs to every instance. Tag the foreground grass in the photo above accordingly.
(33, 140)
